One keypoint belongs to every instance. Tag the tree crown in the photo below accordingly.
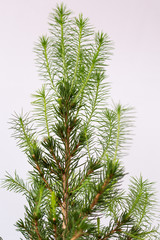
(74, 143)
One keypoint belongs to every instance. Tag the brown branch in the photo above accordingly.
(42, 175)
(65, 176)
(94, 202)
(90, 171)
(28, 231)
(75, 149)
(55, 228)
(81, 233)
(68, 155)
(52, 171)
(57, 161)
(116, 229)
(43, 178)
(64, 204)
(37, 231)
(77, 235)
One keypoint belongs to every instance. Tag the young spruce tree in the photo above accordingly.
(74, 143)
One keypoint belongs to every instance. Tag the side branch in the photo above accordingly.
(56, 160)
(55, 230)
(77, 235)
(37, 231)
(63, 53)
(89, 74)
(44, 43)
(116, 229)
(78, 55)
(42, 176)
(45, 181)
(94, 202)
(88, 173)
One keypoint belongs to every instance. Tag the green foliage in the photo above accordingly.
(74, 142)
(15, 184)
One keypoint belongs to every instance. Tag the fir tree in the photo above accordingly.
(74, 143)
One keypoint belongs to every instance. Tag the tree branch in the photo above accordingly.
(89, 172)
(47, 66)
(77, 235)
(37, 231)
(78, 55)
(94, 202)
(88, 76)
(117, 228)
(42, 176)
(57, 161)
(65, 175)
(55, 229)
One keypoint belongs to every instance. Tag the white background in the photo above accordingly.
(134, 71)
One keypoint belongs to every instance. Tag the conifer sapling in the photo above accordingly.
(74, 142)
